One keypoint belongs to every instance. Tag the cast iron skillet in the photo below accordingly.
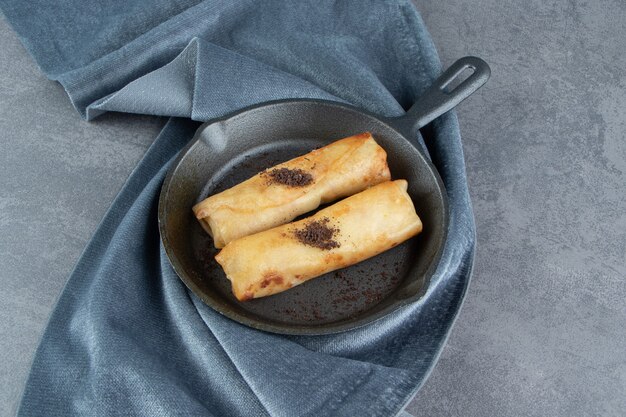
(228, 151)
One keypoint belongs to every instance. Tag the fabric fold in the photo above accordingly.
(304, 39)
(171, 90)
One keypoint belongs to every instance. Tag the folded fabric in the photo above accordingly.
(127, 337)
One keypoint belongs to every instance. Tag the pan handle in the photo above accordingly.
(436, 100)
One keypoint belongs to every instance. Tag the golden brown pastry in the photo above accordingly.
(343, 234)
(280, 194)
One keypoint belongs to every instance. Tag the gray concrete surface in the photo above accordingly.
(543, 328)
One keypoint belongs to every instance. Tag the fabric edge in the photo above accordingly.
(106, 218)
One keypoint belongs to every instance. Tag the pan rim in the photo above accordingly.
(268, 325)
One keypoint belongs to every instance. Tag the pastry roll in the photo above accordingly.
(343, 234)
(280, 194)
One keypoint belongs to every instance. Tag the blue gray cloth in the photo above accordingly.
(127, 337)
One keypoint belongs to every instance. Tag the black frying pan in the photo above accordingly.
(228, 151)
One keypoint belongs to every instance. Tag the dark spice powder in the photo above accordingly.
(318, 234)
(289, 177)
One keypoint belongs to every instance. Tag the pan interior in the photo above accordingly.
(233, 150)
(334, 296)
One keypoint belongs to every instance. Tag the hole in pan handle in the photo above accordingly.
(436, 100)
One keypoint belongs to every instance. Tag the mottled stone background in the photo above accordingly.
(543, 328)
